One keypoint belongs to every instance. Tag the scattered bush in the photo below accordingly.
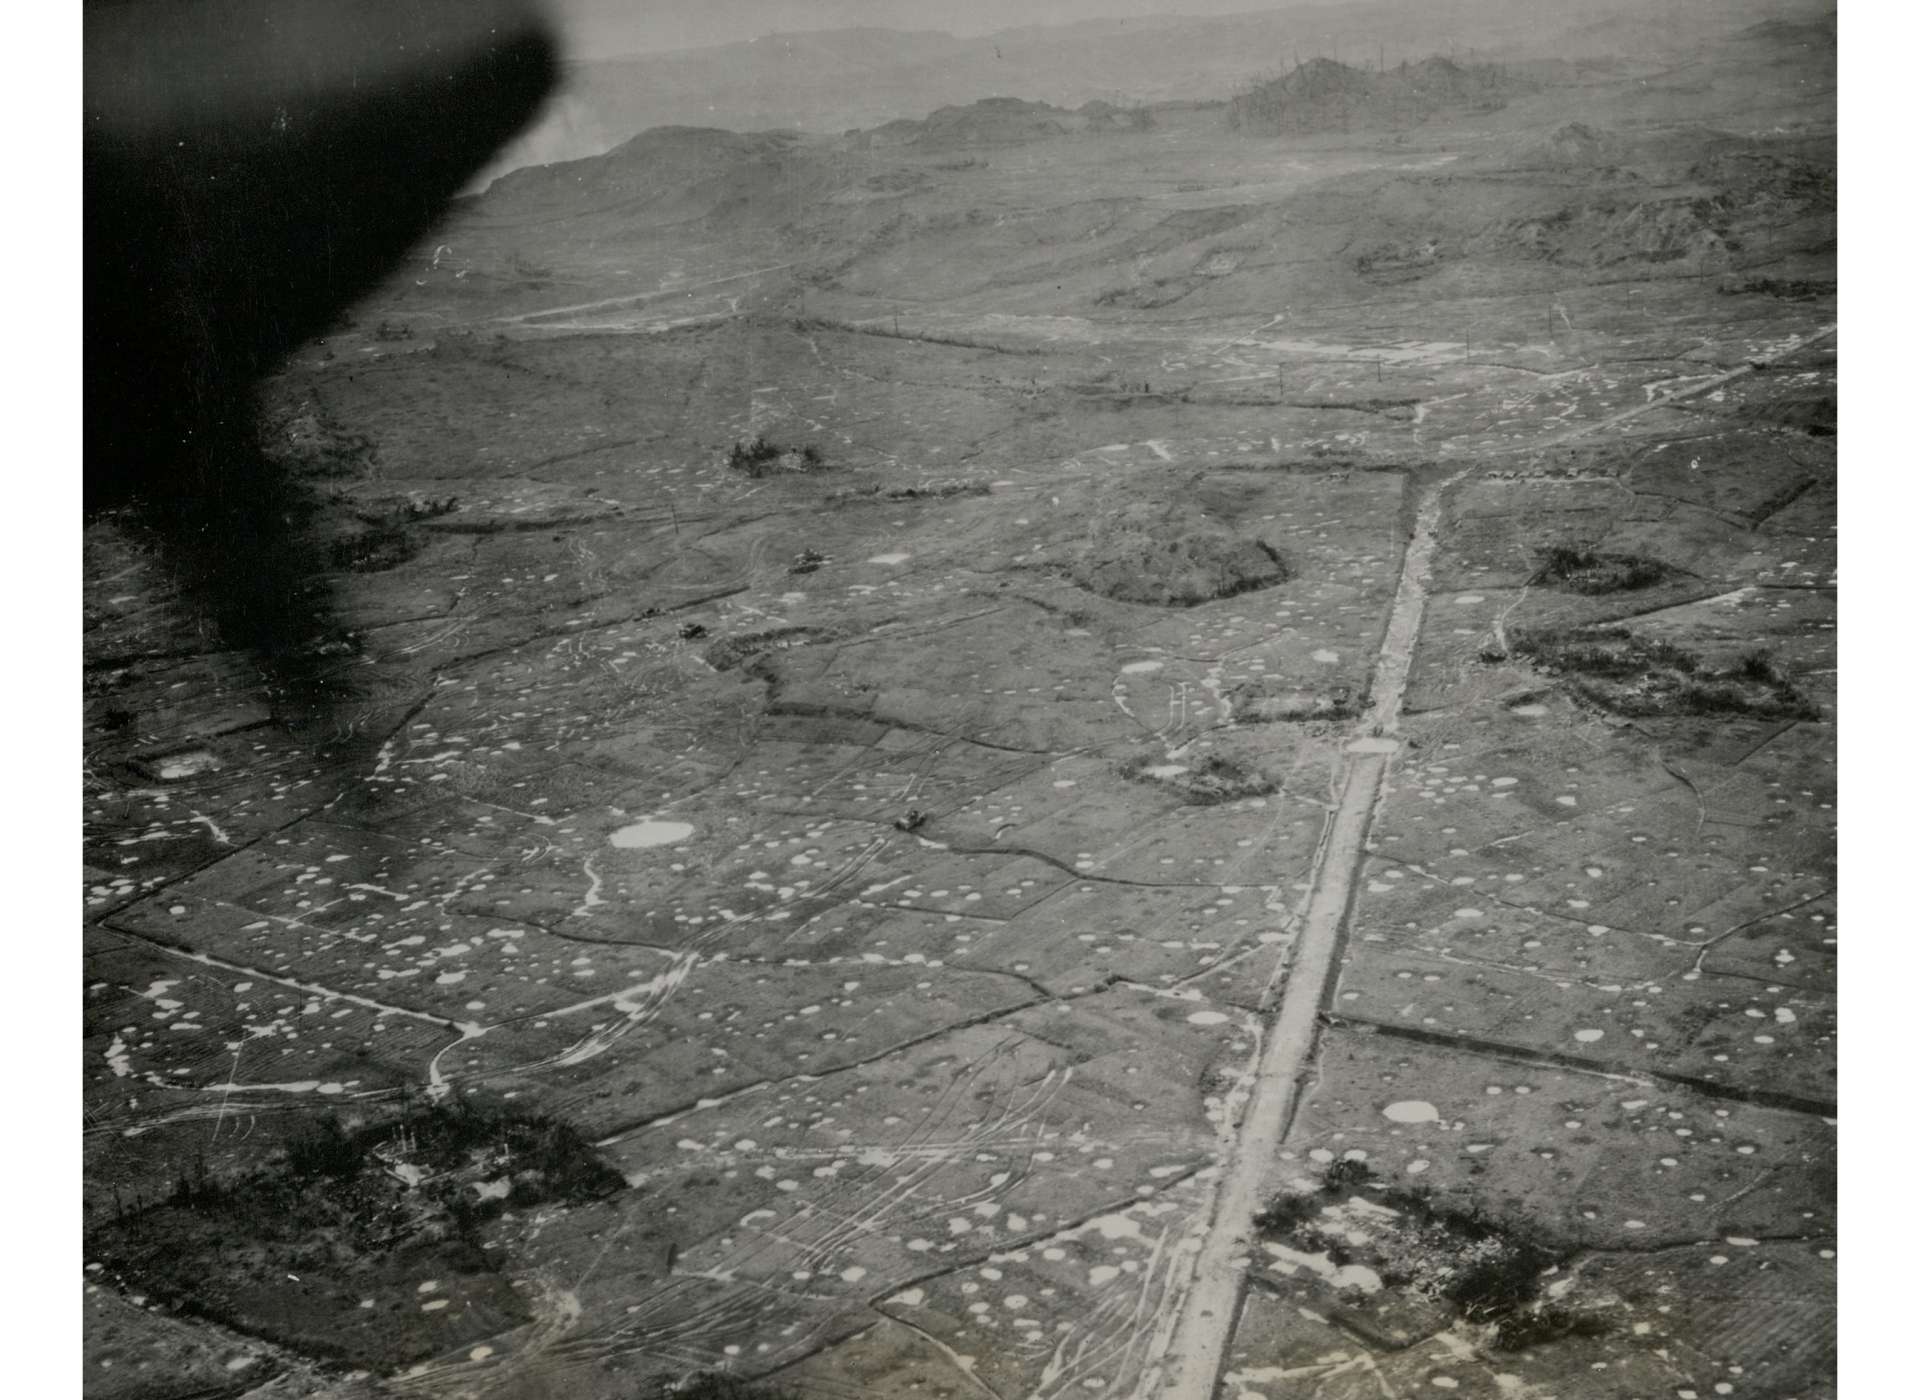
(1171, 557)
(1269, 699)
(1611, 668)
(760, 458)
(1347, 1174)
(340, 1206)
(925, 491)
(1518, 1331)
(1485, 1270)
(1789, 289)
(386, 542)
(306, 443)
(1207, 782)
(729, 652)
(1583, 570)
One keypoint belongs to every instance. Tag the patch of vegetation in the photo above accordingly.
(1347, 1174)
(729, 652)
(1207, 782)
(925, 491)
(307, 443)
(1611, 668)
(759, 458)
(385, 542)
(1788, 288)
(296, 1250)
(1485, 1270)
(1268, 700)
(1171, 557)
(1582, 570)
(1540, 1326)
(371, 551)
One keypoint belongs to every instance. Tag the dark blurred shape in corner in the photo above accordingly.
(252, 167)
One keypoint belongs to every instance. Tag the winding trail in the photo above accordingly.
(1197, 1348)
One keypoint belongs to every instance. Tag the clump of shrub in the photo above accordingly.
(349, 1212)
(385, 541)
(1615, 670)
(758, 457)
(729, 652)
(922, 491)
(307, 443)
(1583, 570)
(1207, 782)
(1787, 288)
(1347, 1174)
(1538, 1326)
(1487, 1271)
(1269, 700)
(1171, 557)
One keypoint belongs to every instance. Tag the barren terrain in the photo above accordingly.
(1235, 800)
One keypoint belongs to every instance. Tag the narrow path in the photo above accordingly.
(1197, 1350)
(630, 299)
(1794, 345)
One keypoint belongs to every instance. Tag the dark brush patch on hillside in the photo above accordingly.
(328, 1249)
(1325, 95)
(1271, 700)
(1170, 556)
(1579, 569)
(1786, 288)
(731, 652)
(1204, 782)
(1612, 669)
(1446, 1260)
(916, 491)
(760, 458)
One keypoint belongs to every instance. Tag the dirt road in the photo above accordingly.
(1191, 1367)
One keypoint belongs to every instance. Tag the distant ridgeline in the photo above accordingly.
(1323, 95)
(1001, 121)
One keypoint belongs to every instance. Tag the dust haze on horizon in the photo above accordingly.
(612, 28)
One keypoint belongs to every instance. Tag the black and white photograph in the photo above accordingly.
(902, 700)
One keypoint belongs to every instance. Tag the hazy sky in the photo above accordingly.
(599, 28)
